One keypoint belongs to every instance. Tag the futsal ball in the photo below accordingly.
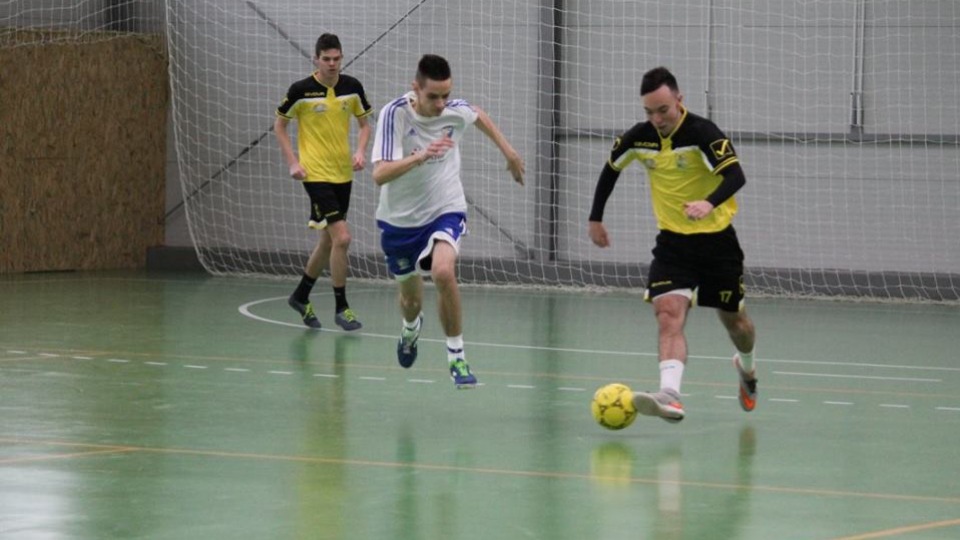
(612, 406)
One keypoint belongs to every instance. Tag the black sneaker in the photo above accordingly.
(347, 320)
(407, 346)
(305, 311)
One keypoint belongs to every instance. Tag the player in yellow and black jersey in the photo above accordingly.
(694, 173)
(323, 104)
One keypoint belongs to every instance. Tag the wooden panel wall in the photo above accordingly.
(82, 151)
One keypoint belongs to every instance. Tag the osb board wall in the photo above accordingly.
(82, 152)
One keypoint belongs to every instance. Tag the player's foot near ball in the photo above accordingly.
(664, 404)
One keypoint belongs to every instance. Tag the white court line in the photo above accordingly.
(561, 388)
(237, 369)
(907, 379)
(245, 311)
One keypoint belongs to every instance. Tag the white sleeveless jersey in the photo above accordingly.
(430, 190)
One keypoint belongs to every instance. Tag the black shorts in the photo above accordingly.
(328, 202)
(710, 264)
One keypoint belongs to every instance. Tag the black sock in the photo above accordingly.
(302, 292)
(340, 294)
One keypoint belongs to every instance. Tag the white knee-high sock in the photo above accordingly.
(455, 348)
(671, 374)
(746, 361)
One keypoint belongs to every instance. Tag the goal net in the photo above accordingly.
(845, 115)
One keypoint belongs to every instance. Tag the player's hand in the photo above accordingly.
(297, 171)
(598, 233)
(359, 161)
(515, 166)
(439, 147)
(697, 210)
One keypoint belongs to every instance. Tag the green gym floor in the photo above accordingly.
(182, 406)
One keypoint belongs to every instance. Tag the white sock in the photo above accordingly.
(412, 325)
(454, 348)
(746, 361)
(671, 373)
(410, 328)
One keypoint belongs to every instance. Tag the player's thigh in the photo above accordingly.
(721, 274)
(724, 291)
(444, 254)
(669, 277)
(326, 202)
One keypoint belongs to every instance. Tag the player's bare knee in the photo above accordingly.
(443, 276)
(342, 241)
(669, 321)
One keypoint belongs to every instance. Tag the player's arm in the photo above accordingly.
(605, 184)
(387, 171)
(733, 180)
(514, 161)
(359, 159)
(286, 147)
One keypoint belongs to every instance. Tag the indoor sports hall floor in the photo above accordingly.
(181, 406)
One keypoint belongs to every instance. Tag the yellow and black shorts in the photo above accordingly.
(710, 264)
(328, 202)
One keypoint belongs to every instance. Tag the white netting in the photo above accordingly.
(845, 114)
(39, 22)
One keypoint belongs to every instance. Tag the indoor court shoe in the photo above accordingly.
(460, 373)
(347, 320)
(305, 311)
(665, 404)
(748, 386)
(407, 345)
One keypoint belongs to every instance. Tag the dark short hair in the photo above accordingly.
(657, 77)
(326, 42)
(433, 67)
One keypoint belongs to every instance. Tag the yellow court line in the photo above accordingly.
(33, 459)
(503, 472)
(904, 530)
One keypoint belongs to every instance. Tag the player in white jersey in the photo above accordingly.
(422, 210)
